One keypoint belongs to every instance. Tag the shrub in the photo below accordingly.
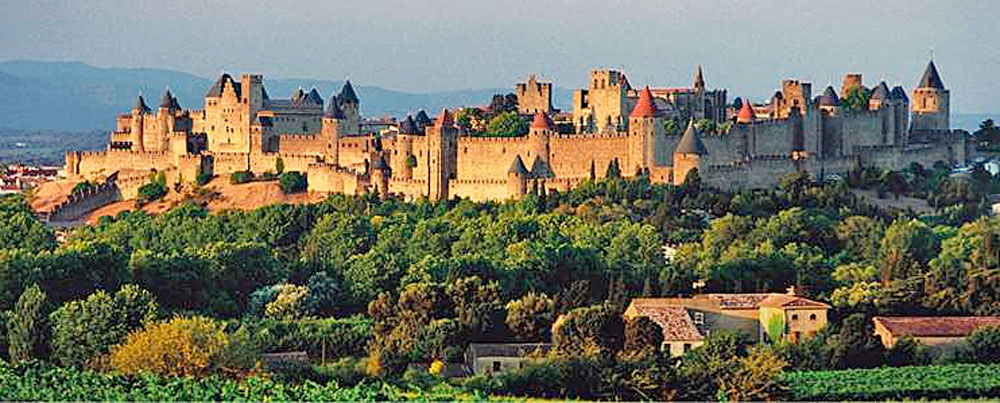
(181, 347)
(590, 331)
(239, 177)
(151, 192)
(292, 182)
(983, 345)
(84, 186)
(642, 335)
(530, 317)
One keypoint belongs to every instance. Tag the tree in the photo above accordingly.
(856, 99)
(507, 124)
(670, 127)
(28, 325)
(183, 346)
(478, 307)
(755, 378)
(290, 302)
(906, 248)
(855, 346)
(861, 237)
(643, 335)
(530, 317)
(85, 329)
(292, 182)
(594, 331)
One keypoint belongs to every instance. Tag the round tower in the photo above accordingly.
(138, 123)
(540, 133)
(332, 119)
(645, 129)
(380, 174)
(517, 179)
(829, 102)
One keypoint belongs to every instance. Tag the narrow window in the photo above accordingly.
(496, 366)
(687, 347)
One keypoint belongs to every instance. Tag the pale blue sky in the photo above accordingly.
(746, 46)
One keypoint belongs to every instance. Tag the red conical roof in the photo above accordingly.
(746, 113)
(541, 121)
(443, 118)
(645, 108)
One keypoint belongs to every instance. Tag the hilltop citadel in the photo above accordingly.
(612, 123)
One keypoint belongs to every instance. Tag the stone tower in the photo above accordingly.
(350, 105)
(517, 179)
(829, 102)
(380, 174)
(333, 119)
(699, 94)
(533, 96)
(603, 105)
(689, 154)
(441, 139)
(139, 113)
(645, 133)
(931, 102)
(404, 162)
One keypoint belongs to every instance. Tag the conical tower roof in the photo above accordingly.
(540, 169)
(899, 93)
(829, 97)
(167, 100)
(881, 92)
(347, 93)
(699, 78)
(517, 166)
(931, 79)
(645, 107)
(314, 97)
(691, 142)
(422, 120)
(541, 121)
(746, 114)
(140, 104)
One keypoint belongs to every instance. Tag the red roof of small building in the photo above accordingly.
(541, 121)
(645, 108)
(790, 301)
(935, 326)
(746, 114)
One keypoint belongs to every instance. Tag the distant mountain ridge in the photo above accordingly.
(75, 96)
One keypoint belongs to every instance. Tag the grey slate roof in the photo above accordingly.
(408, 126)
(540, 169)
(422, 119)
(314, 97)
(829, 97)
(167, 101)
(881, 92)
(517, 166)
(220, 84)
(140, 104)
(931, 79)
(691, 142)
(332, 110)
(899, 93)
(699, 78)
(347, 93)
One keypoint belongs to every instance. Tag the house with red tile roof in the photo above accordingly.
(687, 321)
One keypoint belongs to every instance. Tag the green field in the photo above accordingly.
(897, 383)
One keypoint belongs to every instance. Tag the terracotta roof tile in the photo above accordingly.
(541, 121)
(931, 326)
(675, 321)
(644, 108)
(746, 114)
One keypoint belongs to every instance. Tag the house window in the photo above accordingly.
(496, 366)
(699, 318)
(687, 347)
(795, 317)
(797, 336)
(812, 317)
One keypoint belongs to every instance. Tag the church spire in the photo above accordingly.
(699, 79)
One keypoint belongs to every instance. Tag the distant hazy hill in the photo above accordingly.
(75, 96)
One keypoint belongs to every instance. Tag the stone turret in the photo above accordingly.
(139, 113)
(690, 154)
(540, 133)
(931, 102)
(829, 102)
(406, 161)
(645, 129)
(350, 105)
(441, 139)
(517, 179)
(333, 119)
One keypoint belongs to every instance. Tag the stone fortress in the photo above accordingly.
(648, 131)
